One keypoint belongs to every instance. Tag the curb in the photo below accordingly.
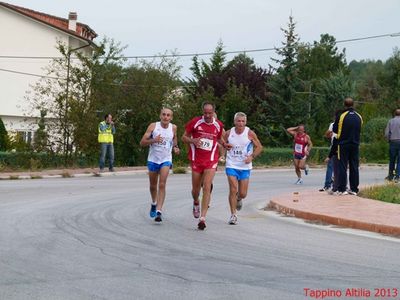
(68, 173)
(341, 221)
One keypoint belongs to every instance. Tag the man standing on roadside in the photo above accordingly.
(329, 134)
(203, 135)
(106, 140)
(347, 126)
(241, 141)
(392, 133)
(161, 138)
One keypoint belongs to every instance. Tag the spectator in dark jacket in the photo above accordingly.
(347, 126)
(333, 159)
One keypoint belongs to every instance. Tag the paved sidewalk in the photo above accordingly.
(347, 211)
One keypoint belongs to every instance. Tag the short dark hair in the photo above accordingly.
(302, 125)
(207, 103)
(105, 117)
(397, 112)
(348, 102)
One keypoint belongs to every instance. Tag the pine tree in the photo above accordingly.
(286, 107)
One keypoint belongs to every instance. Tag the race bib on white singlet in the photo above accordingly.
(237, 151)
(163, 144)
(298, 148)
(206, 144)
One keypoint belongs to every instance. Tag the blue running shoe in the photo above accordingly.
(158, 217)
(153, 211)
(307, 170)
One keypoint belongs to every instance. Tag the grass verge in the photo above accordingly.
(388, 192)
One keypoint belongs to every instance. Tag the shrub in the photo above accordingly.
(375, 152)
(373, 131)
(284, 156)
(35, 161)
(66, 174)
(179, 170)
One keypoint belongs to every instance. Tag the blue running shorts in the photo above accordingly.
(153, 167)
(239, 174)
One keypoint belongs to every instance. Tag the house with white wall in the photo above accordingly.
(28, 43)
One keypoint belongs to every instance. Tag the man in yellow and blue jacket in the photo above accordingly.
(106, 140)
(347, 126)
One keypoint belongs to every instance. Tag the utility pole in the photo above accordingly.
(66, 120)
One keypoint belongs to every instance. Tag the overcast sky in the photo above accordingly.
(153, 26)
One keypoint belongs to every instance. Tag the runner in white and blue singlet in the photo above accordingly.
(243, 146)
(161, 138)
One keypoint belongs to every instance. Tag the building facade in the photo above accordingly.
(29, 42)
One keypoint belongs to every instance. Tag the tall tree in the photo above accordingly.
(286, 107)
(392, 79)
(321, 59)
(236, 85)
(68, 95)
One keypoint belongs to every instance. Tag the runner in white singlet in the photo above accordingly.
(161, 138)
(244, 146)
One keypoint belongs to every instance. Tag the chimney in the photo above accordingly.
(72, 17)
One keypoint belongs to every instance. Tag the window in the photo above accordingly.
(25, 136)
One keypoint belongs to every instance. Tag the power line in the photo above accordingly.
(177, 55)
(106, 83)
(397, 34)
(29, 74)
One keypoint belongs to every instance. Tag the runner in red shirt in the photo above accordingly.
(302, 148)
(203, 135)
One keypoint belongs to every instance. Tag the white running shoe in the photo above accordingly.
(341, 193)
(299, 181)
(233, 220)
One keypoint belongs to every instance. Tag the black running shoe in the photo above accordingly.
(158, 217)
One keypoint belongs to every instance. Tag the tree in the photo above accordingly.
(321, 59)
(286, 107)
(392, 80)
(72, 119)
(40, 140)
(4, 141)
(209, 75)
(331, 92)
(236, 85)
(144, 90)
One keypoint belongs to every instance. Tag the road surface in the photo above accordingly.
(92, 238)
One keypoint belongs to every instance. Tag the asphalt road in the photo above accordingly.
(92, 238)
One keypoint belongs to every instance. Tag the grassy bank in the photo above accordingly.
(388, 193)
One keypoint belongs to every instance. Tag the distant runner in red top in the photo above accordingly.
(203, 135)
(302, 148)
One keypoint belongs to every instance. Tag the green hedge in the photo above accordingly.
(284, 156)
(369, 153)
(375, 153)
(37, 161)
